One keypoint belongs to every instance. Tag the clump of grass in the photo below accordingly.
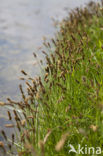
(65, 106)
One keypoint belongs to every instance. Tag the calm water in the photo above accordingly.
(23, 23)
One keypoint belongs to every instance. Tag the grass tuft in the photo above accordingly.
(65, 106)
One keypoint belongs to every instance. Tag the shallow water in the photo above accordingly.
(23, 23)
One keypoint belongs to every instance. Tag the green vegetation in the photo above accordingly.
(65, 106)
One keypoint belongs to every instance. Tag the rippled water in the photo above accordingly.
(23, 23)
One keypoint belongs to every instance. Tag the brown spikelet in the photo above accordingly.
(12, 102)
(84, 78)
(94, 127)
(44, 53)
(41, 61)
(2, 103)
(27, 83)
(9, 146)
(9, 115)
(15, 113)
(21, 78)
(49, 45)
(37, 96)
(61, 142)
(46, 75)
(30, 78)
(73, 37)
(9, 125)
(30, 117)
(2, 146)
(22, 92)
(23, 122)
(53, 41)
(48, 60)
(47, 69)
(46, 80)
(47, 135)
(24, 114)
(62, 87)
(18, 126)
(34, 55)
(23, 72)
(53, 58)
(13, 138)
(4, 134)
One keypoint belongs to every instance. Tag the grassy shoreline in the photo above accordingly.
(65, 106)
